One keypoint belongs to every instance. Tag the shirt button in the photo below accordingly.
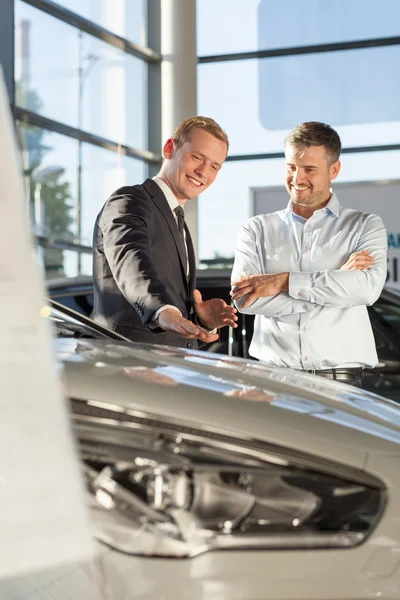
(305, 248)
(299, 294)
(306, 358)
(305, 306)
(304, 328)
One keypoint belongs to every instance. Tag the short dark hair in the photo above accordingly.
(182, 132)
(313, 133)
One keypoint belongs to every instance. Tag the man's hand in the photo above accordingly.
(214, 313)
(258, 286)
(358, 261)
(171, 320)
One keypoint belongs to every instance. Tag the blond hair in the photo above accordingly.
(182, 132)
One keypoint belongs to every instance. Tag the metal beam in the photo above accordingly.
(351, 150)
(30, 118)
(59, 244)
(154, 122)
(298, 50)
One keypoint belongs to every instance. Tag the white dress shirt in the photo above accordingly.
(322, 321)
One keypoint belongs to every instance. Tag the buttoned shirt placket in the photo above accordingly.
(305, 231)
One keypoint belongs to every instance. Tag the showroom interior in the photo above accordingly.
(157, 470)
(96, 86)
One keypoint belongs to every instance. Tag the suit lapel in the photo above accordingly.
(162, 204)
(192, 260)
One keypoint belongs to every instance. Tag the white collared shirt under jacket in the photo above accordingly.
(322, 321)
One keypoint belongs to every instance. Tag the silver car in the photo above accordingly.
(212, 477)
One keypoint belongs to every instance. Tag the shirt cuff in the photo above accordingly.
(300, 286)
(153, 323)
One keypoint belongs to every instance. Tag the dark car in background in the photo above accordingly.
(384, 379)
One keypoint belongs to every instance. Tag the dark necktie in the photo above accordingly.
(180, 214)
(181, 219)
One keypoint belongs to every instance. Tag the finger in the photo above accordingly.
(364, 257)
(197, 297)
(360, 268)
(364, 262)
(206, 336)
(232, 316)
(229, 323)
(186, 334)
(240, 280)
(189, 329)
(244, 282)
(210, 337)
(239, 293)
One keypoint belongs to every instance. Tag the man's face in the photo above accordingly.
(192, 167)
(308, 178)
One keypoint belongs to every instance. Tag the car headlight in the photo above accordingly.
(161, 489)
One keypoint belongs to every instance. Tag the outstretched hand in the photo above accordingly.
(358, 261)
(171, 320)
(214, 313)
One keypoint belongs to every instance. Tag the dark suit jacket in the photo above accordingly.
(139, 264)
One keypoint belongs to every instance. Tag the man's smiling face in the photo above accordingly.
(308, 177)
(191, 168)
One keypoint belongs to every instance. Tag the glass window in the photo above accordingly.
(123, 17)
(50, 163)
(50, 168)
(238, 32)
(225, 206)
(79, 80)
(261, 100)
(104, 171)
(265, 24)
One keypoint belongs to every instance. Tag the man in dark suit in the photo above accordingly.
(144, 265)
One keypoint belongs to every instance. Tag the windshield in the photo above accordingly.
(66, 325)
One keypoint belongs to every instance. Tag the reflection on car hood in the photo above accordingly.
(234, 395)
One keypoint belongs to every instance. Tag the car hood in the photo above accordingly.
(234, 396)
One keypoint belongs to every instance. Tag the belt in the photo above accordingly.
(341, 373)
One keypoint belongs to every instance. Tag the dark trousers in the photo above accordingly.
(350, 376)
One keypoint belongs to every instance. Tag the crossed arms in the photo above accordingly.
(359, 281)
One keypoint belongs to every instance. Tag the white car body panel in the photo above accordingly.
(302, 412)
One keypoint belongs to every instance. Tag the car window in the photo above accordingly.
(81, 302)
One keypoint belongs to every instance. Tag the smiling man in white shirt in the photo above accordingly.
(309, 271)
